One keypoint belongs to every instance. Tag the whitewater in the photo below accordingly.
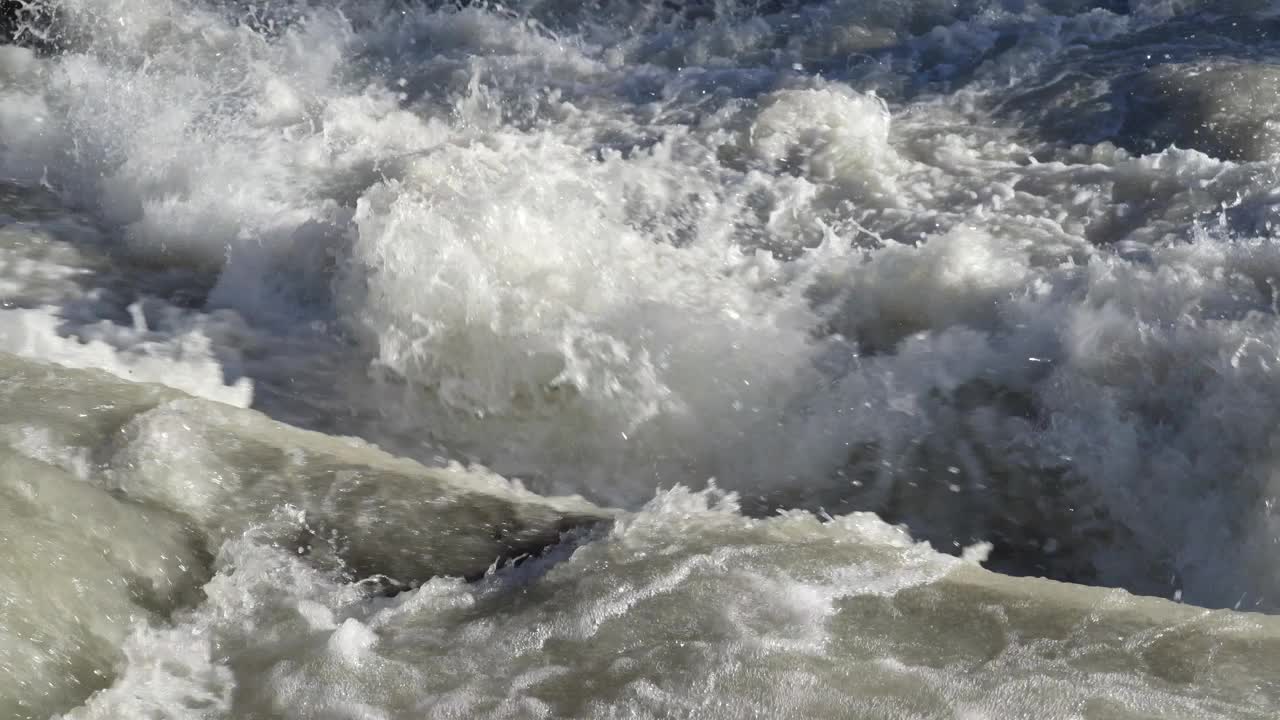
(884, 359)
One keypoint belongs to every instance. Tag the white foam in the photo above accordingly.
(611, 261)
(688, 607)
(184, 362)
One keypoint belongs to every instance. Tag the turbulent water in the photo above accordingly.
(623, 359)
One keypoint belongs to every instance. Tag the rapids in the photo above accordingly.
(389, 359)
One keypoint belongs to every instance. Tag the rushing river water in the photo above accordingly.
(367, 359)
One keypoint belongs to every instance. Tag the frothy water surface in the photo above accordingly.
(1002, 272)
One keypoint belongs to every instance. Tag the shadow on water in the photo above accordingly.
(1125, 90)
(30, 24)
